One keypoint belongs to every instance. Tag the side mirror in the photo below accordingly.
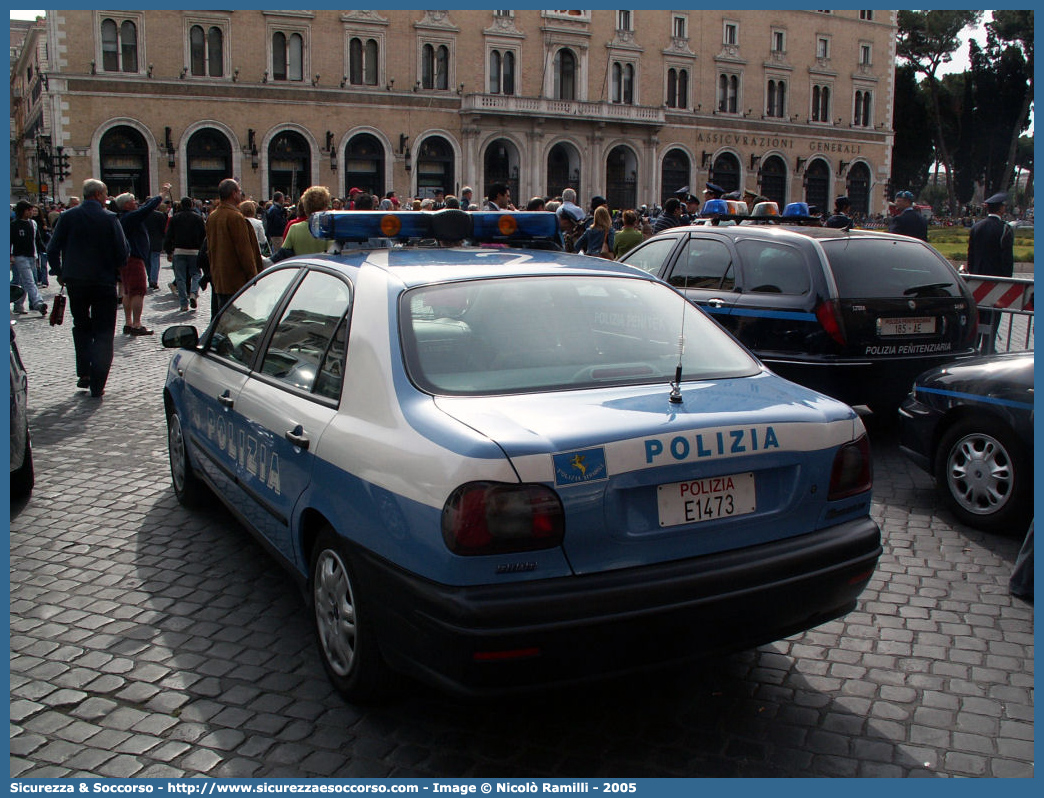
(181, 336)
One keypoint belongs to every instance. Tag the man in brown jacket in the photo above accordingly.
(231, 246)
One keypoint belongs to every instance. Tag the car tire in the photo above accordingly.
(23, 478)
(985, 475)
(189, 488)
(344, 630)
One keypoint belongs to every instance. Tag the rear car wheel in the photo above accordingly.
(187, 486)
(23, 478)
(347, 641)
(985, 475)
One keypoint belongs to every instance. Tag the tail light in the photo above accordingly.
(829, 315)
(499, 518)
(851, 473)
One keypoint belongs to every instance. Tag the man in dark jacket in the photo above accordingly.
(185, 235)
(86, 252)
(840, 220)
(26, 245)
(134, 277)
(275, 221)
(991, 251)
(909, 221)
(991, 242)
(671, 216)
(156, 227)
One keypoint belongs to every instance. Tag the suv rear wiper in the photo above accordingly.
(917, 289)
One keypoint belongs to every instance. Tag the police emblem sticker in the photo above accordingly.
(586, 465)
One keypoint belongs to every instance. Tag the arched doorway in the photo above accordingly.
(817, 185)
(621, 178)
(289, 164)
(674, 173)
(774, 180)
(563, 169)
(364, 164)
(859, 188)
(726, 172)
(209, 157)
(500, 165)
(124, 159)
(435, 167)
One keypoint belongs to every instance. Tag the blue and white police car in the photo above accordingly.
(499, 468)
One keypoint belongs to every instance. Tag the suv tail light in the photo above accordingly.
(851, 473)
(828, 313)
(498, 518)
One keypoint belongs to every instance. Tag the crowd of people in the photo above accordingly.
(108, 252)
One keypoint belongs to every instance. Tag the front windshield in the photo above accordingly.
(526, 334)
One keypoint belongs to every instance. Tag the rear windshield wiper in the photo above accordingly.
(917, 289)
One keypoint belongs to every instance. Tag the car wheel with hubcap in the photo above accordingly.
(347, 641)
(984, 474)
(187, 486)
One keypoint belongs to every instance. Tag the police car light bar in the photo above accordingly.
(449, 225)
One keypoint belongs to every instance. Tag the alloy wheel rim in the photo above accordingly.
(980, 474)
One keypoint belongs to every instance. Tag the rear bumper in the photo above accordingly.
(523, 635)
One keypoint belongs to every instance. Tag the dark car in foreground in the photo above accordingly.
(22, 475)
(499, 468)
(856, 315)
(970, 425)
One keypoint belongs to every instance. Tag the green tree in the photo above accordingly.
(1016, 28)
(914, 151)
(927, 40)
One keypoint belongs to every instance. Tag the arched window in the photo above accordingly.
(287, 56)
(728, 93)
(565, 75)
(494, 72)
(110, 46)
(119, 46)
(435, 67)
(362, 62)
(776, 96)
(129, 46)
(509, 72)
(861, 112)
(677, 88)
(820, 103)
(205, 52)
(215, 52)
(726, 171)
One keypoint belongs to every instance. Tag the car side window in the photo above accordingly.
(307, 346)
(705, 263)
(241, 323)
(651, 257)
(773, 268)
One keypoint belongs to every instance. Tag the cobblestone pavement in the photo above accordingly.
(151, 641)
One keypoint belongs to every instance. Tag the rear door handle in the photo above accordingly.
(716, 303)
(297, 437)
(225, 400)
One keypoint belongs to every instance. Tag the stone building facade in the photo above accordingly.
(633, 105)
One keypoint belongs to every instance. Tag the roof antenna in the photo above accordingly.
(676, 394)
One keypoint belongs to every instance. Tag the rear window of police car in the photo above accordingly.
(889, 268)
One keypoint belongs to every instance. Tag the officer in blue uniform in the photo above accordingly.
(909, 221)
(991, 242)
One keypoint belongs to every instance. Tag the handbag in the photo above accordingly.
(58, 308)
(606, 252)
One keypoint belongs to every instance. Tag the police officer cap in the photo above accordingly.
(1000, 198)
(907, 195)
(714, 188)
(691, 198)
(597, 200)
(681, 192)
